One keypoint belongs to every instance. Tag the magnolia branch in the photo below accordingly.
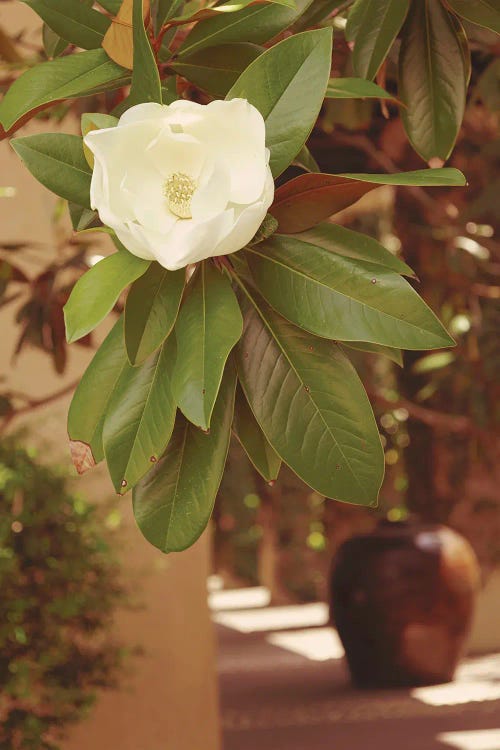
(33, 404)
(438, 420)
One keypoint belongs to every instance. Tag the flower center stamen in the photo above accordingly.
(179, 189)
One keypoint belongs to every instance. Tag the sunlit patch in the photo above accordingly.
(179, 190)
(274, 618)
(317, 644)
(480, 739)
(255, 596)
(477, 680)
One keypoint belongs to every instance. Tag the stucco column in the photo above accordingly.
(167, 699)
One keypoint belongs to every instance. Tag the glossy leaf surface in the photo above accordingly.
(139, 418)
(482, 12)
(355, 88)
(174, 502)
(146, 85)
(90, 400)
(71, 76)
(395, 355)
(311, 406)
(373, 26)
(73, 20)
(256, 24)
(96, 292)
(151, 309)
(278, 83)
(343, 298)
(208, 326)
(58, 162)
(253, 441)
(216, 69)
(355, 245)
(433, 74)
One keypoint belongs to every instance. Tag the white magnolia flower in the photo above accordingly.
(182, 182)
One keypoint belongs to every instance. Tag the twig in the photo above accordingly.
(439, 420)
(33, 404)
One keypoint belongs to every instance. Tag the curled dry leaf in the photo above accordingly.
(118, 41)
(82, 456)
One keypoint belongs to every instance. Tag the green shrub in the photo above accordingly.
(59, 587)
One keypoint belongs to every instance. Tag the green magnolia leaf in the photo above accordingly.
(112, 6)
(139, 418)
(174, 502)
(395, 355)
(255, 444)
(354, 245)
(278, 83)
(305, 160)
(355, 88)
(482, 12)
(311, 406)
(433, 75)
(208, 326)
(53, 45)
(310, 198)
(163, 10)
(73, 21)
(82, 218)
(343, 298)
(97, 121)
(442, 177)
(146, 84)
(58, 162)
(151, 310)
(216, 69)
(90, 400)
(95, 293)
(267, 228)
(256, 24)
(373, 26)
(317, 12)
(230, 6)
(72, 76)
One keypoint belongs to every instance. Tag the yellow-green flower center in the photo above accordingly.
(179, 189)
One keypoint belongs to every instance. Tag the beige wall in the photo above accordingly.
(167, 699)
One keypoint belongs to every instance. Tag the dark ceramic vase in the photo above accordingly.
(402, 600)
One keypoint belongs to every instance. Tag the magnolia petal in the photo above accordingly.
(235, 132)
(248, 222)
(142, 112)
(191, 241)
(212, 196)
(172, 152)
(220, 146)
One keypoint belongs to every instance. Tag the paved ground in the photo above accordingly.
(284, 687)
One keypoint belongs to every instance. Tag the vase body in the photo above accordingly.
(402, 600)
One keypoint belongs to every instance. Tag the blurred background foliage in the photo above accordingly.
(60, 585)
(437, 415)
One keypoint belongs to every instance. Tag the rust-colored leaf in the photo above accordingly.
(118, 41)
(310, 198)
(82, 456)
